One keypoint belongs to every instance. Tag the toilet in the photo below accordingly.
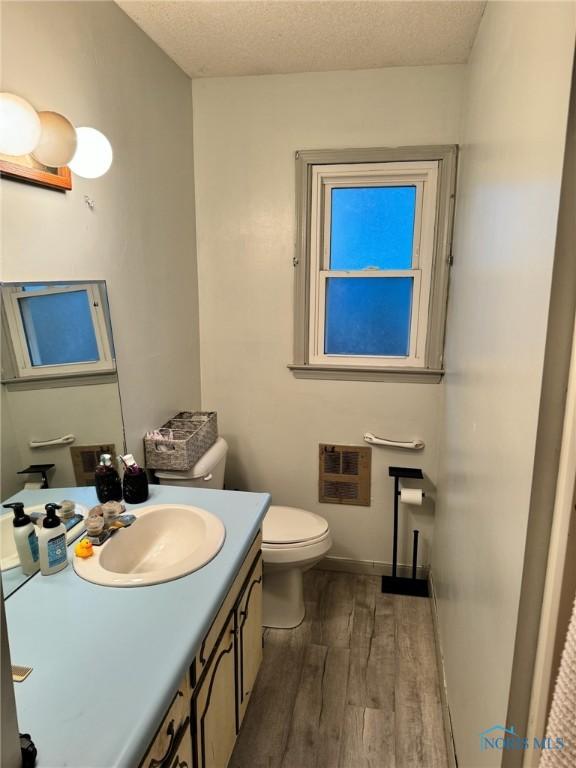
(293, 541)
(208, 472)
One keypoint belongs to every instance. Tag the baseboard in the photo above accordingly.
(447, 720)
(368, 567)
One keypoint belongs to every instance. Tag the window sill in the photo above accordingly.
(340, 373)
(55, 382)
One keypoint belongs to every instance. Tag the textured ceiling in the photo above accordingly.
(213, 38)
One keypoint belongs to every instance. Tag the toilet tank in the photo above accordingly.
(208, 472)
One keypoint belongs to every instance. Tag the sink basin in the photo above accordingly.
(8, 555)
(165, 542)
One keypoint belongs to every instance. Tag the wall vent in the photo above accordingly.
(344, 474)
(85, 459)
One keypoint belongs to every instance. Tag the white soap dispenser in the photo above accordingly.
(25, 539)
(52, 542)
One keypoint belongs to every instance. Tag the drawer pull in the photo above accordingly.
(169, 732)
(167, 761)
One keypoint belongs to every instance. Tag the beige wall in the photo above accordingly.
(511, 163)
(89, 61)
(10, 461)
(246, 131)
(91, 413)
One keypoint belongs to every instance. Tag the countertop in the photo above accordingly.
(107, 661)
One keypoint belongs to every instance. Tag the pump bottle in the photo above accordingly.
(25, 539)
(52, 542)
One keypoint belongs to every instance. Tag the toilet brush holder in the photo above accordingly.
(403, 585)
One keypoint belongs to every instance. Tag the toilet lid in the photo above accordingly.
(289, 525)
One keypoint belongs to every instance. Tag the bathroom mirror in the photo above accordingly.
(60, 406)
(60, 398)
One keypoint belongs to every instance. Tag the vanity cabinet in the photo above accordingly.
(214, 706)
(201, 725)
(173, 738)
(249, 638)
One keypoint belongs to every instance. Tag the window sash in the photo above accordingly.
(424, 176)
(105, 363)
(318, 334)
(327, 188)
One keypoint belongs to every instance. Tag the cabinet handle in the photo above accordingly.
(169, 732)
(175, 738)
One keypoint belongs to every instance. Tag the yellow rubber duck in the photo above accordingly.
(84, 549)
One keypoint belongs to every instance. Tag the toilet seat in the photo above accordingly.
(289, 527)
(296, 544)
(293, 537)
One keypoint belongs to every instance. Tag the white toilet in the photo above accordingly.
(293, 540)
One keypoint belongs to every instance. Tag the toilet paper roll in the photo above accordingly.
(411, 496)
(33, 486)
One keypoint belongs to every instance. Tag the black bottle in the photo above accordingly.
(107, 481)
(135, 485)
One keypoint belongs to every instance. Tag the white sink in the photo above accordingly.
(165, 542)
(8, 555)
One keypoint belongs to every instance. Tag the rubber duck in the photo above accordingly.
(84, 549)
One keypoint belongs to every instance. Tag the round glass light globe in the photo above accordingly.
(57, 143)
(93, 156)
(19, 125)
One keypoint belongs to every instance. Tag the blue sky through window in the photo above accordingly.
(372, 227)
(368, 316)
(59, 328)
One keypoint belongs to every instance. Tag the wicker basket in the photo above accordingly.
(185, 439)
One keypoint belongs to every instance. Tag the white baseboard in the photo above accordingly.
(447, 720)
(368, 567)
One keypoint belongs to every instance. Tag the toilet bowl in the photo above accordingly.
(293, 541)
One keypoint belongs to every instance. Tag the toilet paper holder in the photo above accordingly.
(401, 585)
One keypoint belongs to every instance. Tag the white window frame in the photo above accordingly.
(325, 178)
(105, 363)
(433, 171)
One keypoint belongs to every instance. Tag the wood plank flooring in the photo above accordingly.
(354, 686)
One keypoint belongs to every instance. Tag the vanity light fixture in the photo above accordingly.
(51, 139)
(58, 141)
(93, 156)
(20, 126)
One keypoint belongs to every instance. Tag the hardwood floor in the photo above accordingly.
(354, 686)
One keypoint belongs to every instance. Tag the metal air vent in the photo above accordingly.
(85, 459)
(344, 474)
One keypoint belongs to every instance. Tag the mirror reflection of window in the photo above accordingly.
(58, 329)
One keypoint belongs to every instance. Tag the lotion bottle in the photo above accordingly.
(52, 542)
(25, 539)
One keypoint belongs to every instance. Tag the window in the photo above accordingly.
(372, 261)
(58, 330)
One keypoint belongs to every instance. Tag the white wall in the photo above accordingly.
(93, 64)
(246, 131)
(517, 96)
(92, 414)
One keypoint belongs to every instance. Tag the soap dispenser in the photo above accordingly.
(52, 542)
(25, 539)
(107, 481)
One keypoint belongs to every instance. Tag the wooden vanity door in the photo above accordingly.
(214, 707)
(183, 753)
(249, 637)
